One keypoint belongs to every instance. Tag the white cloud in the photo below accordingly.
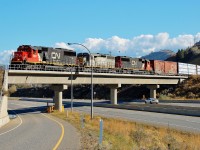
(62, 45)
(96, 43)
(135, 47)
(140, 45)
(6, 56)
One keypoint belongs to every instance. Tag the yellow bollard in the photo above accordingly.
(49, 109)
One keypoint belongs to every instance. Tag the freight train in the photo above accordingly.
(49, 57)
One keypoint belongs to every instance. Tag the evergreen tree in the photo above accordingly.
(180, 55)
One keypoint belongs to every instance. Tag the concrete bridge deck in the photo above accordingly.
(52, 77)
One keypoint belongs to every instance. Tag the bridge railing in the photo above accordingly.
(75, 69)
(86, 69)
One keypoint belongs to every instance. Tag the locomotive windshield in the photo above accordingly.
(125, 59)
(69, 53)
(24, 49)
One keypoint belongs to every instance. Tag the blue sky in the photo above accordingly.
(126, 27)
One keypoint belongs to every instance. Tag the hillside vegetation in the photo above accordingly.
(189, 55)
(188, 89)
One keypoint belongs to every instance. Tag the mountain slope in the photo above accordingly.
(189, 55)
(160, 55)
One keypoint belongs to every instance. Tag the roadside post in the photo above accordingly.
(67, 114)
(100, 131)
(82, 121)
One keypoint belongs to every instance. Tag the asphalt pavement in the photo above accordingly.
(32, 129)
(180, 122)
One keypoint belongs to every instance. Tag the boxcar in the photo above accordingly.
(170, 68)
(157, 66)
(164, 67)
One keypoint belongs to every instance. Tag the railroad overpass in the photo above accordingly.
(61, 80)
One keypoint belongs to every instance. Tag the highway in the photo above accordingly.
(185, 123)
(180, 122)
(32, 129)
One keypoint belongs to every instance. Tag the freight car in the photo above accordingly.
(164, 67)
(188, 69)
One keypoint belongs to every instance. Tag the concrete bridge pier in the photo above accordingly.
(58, 88)
(4, 118)
(113, 92)
(153, 88)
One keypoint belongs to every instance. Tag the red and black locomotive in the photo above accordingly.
(27, 54)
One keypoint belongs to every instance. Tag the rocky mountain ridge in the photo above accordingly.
(160, 55)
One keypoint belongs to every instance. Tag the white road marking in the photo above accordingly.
(62, 127)
(14, 127)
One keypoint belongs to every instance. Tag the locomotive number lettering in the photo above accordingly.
(55, 55)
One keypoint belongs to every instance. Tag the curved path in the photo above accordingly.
(35, 130)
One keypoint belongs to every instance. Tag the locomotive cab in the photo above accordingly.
(83, 60)
(25, 54)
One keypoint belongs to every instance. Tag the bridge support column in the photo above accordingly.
(181, 80)
(153, 88)
(58, 96)
(113, 92)
(4, 118)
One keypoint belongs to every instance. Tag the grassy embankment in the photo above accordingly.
(189, 89)
(126, 135)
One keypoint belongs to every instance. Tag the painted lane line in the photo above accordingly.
(62, 132)
(14, 127)
(62, 127)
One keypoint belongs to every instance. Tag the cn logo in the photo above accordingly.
(55, 55)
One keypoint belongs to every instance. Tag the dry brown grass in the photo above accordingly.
(125, 135)
(189, 89)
